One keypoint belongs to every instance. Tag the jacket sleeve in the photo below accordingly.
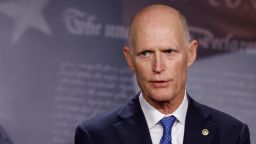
(82, 136)
(244, 135)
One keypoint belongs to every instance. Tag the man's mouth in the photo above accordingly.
(160, 83)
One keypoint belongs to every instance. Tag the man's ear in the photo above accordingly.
(128, 57)
(192, 52)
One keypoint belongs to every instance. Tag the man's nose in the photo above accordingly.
(158, 64)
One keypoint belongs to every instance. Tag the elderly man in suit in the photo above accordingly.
(160, 52)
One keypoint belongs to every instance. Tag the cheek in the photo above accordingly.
(142, 72)
(180, 69)
(142, 68)
(182, 73)
(141, 79)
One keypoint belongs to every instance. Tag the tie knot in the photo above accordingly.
(168, 121)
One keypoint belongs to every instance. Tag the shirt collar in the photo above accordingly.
(153, 116)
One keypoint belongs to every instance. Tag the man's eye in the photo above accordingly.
(169, 51)
(145, 53)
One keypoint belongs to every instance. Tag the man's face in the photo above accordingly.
(160, 59)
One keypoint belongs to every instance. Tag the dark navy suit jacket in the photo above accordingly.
(127, 125)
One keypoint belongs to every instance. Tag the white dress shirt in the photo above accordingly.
(153, 117)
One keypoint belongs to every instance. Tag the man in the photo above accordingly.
(160, 52)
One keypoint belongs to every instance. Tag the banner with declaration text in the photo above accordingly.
(61, 62)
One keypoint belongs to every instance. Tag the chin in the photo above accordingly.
(161, 97)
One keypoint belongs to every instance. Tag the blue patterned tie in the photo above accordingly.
(167, 123)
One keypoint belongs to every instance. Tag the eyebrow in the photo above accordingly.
(159, 48)
(172, 49)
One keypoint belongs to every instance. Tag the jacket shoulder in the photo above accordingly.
(101, 121)
(225, 122)
(97, 129)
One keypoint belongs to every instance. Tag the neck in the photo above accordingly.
(166, 107)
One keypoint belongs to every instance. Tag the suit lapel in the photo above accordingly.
(198, 128)
(132, 126)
